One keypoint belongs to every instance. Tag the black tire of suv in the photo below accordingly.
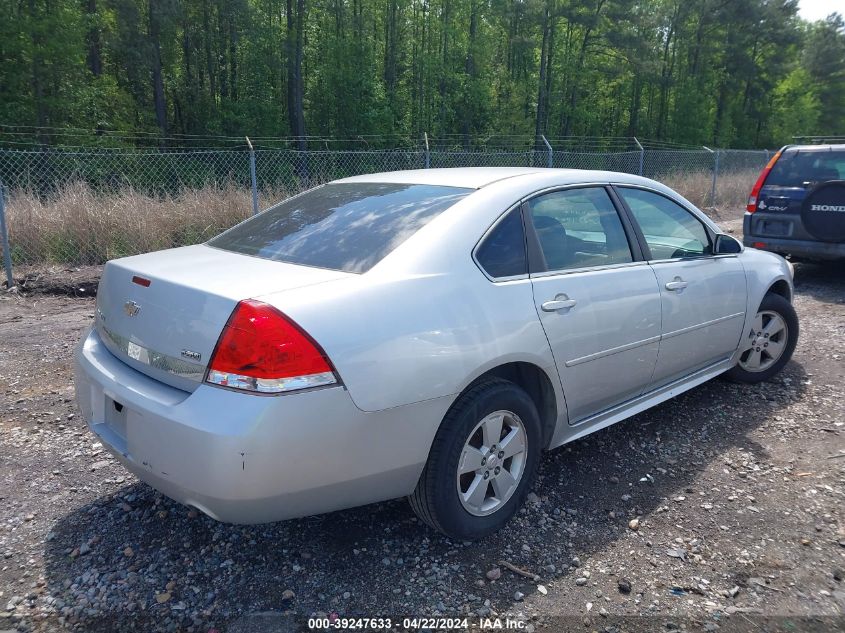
(819, 213)
(773, 303)
(435, 500)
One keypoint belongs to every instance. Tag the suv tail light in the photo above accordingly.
(752, 199)
(262, 350)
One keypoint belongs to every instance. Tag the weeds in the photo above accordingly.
(79, 226)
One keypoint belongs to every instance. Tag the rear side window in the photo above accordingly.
(344, 226)
(796, 167)
(579, 228)
(502, 253)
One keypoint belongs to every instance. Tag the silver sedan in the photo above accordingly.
(421, 333)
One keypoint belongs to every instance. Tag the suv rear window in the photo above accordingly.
(344, 226)
(796, 167)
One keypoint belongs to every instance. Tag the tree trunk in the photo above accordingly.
(209, 57)
(233, 57)
(666, 73)
(159, 102)
(390, 55)
(37, 80)
(444, 25)
(579, 67)
(542, 97)
(636, 100)
(471, 74)
(296, 116)
(94, 57)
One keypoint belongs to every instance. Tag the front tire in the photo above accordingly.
(769, 343)
(482, 462)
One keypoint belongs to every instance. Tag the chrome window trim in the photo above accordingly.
(657, 262)
(586, 269)
(711, 234)
(553, 188)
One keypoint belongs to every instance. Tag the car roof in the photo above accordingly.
(816, 148)
(470, 177)
(478, 177)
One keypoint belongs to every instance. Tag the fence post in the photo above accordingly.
(715, 178)
(252, 177)
(427, 152)
(642, 155)
(550, 161)
(4, 233)
(715, 175)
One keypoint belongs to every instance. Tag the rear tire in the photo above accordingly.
(770, 341)
(466, 490)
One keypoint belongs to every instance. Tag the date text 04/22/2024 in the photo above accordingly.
(416, 623)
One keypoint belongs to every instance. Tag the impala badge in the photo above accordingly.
(131, 308)
(186, 353)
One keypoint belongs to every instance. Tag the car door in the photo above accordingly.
(597, 299)
(703, 295)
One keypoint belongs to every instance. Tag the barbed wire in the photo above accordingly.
(74, 137)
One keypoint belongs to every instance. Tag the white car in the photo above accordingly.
(420, 333)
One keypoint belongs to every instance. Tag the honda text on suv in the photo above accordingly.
(797, 206)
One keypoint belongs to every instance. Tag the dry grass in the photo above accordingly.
(80, 226)
(731, 190)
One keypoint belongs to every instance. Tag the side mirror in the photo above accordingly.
(727, 245)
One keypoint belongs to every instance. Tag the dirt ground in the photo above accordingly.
(736, 493)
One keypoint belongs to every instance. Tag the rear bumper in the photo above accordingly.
(245, 458)
(810, 249)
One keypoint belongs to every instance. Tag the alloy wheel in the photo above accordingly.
(492, 463)
(765, 343)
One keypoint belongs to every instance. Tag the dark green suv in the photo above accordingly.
(797, 206)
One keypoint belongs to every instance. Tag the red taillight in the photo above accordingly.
(752, 199)
(261, 349)
(141, 281)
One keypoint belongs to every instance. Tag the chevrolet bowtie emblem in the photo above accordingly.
(131, 308)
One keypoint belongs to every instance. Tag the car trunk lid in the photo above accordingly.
(162, 313)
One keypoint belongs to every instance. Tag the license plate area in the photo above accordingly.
(115, 414)
(777, 228)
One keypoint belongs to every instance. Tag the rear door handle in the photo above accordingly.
(676, 284)
(560, 302)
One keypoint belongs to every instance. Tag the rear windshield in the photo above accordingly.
(344, 226)
(797, 167)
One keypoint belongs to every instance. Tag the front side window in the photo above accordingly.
(670, 230)
(502, 253)
(342, 226)
(579, 228)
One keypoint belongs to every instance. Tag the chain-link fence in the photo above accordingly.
(85, 206)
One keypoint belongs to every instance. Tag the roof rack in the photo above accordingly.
(820, 140)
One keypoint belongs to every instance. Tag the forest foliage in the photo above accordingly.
(727, 73)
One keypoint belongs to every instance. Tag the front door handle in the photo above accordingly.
(560, 302)
(676, 284)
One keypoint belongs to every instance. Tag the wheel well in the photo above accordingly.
(536, 384)
(781, 287)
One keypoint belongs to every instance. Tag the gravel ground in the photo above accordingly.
(719, 510)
